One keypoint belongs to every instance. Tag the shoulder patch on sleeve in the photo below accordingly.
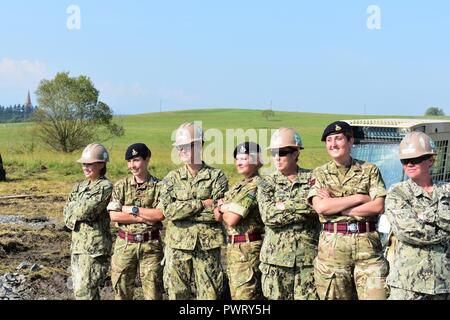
(264, 184)
(252, 194)
(154, 179)
(166, 183)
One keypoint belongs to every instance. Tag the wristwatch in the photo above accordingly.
(135, 211)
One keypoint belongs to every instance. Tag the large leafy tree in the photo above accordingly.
(69, 115)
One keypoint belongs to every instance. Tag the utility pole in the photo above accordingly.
(160, 105)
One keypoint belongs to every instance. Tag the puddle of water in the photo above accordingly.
(34, 222)
(10, 219)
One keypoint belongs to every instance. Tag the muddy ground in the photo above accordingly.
(35, 249)
(34, 244)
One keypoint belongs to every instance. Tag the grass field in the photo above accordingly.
(48, 176)
(30, 164)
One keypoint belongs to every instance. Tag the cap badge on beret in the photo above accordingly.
(338, 128)
(242, 149)
(134, 153)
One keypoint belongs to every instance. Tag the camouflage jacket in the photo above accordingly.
(291, 234)
(127, 192)
(421, 222)
(361, 178)
(181, 202)
(241, 199)
(85, 214)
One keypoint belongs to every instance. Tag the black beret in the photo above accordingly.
(137, 150)
(335, 128)
(246, 148)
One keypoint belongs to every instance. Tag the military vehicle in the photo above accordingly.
(377, 141)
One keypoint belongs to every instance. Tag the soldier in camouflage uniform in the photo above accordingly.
(138, 247)
(348, 195)
(291, 225)
(193, 236)
(419, 212)
(240, 213)
(85, 214)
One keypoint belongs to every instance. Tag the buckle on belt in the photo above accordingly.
(139, 237)
(352, 227)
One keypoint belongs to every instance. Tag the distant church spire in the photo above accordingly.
(28, 103)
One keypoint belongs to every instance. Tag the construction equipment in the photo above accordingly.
(377, 141)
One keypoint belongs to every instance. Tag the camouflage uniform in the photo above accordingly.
(243, 258)
(85, 214)
(129, 257)
(346, 262)
(421, 223)
(290, 242)
(193, 236)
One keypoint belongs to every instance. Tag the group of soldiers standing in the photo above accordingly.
(294, 234)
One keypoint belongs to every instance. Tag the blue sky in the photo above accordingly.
(303, 56)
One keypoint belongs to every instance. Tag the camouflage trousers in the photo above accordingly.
(283, 283)
(243, 270)
(350, 266)
(128, 259)
(204, 265)
(402, 294)
(88, 275)
(390, 249)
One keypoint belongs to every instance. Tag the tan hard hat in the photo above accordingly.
(416, 144)
(284, 138)
(94, 152)
(188, 133)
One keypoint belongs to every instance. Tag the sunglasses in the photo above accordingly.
(185, 147)
(282, 152)
(89, 164)
(414, 160)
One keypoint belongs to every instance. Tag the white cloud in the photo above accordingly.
(21, 73)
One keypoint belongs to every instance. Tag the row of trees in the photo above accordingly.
(16, 113)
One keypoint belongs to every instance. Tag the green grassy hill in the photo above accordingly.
(25, 157)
